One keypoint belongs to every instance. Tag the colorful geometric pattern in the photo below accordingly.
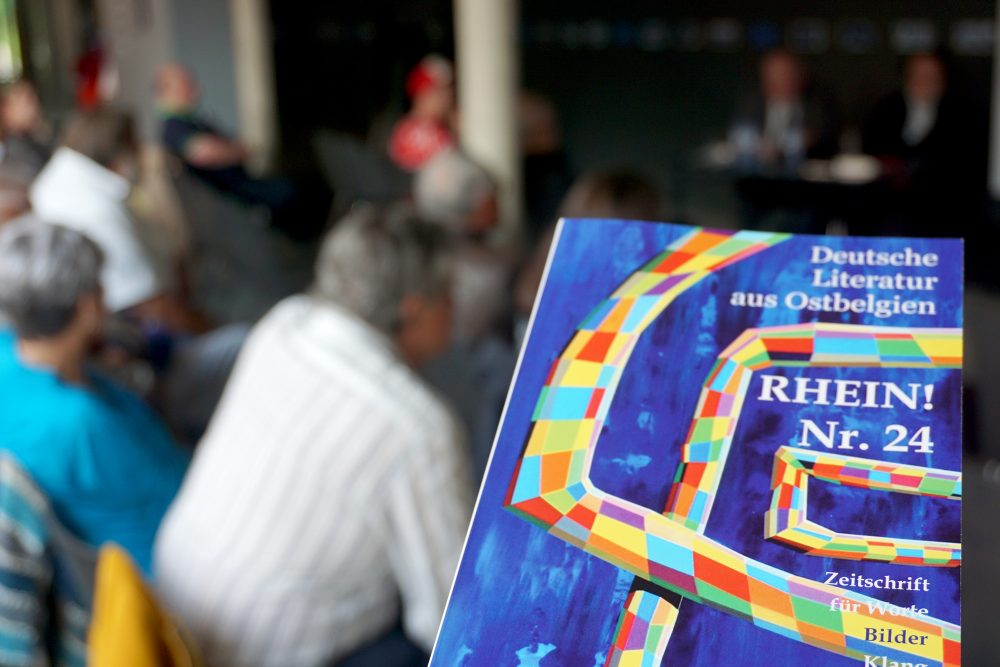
(643, 630)
(812, 344)
(786, 519)
(551, 486)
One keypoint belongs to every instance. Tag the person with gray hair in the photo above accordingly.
(332, 484)
(460, 195)
(384, 267)
(106, 463)
(454, 190)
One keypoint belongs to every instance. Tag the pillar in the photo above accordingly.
(487, 62)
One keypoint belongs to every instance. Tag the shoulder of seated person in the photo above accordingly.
(100, 400)
(73, 412)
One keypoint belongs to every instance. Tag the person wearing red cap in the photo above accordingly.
(426, 129)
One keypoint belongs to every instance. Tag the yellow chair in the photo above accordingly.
(128, 627)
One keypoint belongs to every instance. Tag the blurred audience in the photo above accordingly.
(786, 121)
(105, 461)
(332, 482)
(428, 127)
(326, 506)
(460, 196)
(547, 174)
(85, 186)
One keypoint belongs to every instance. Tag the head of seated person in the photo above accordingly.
(20, 109)
(430, 85)
(456, 192)
(86, 185)
(176, 89)
(50, 295)
(612, 193)
(782, 77)
(393, 271)
(107, 136)
(925, 79)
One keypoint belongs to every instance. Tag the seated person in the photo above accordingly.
(928, 143)
(106, 463)
(915, 118)
(205, 151)
(86, 186)
(460, 196)
(785, 121)
(544, 161)
(613, 193)
(923, 122)
(427, 128)
(299, 210)
(25, 146)
(331, 485)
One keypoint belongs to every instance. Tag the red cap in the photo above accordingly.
(431, 72)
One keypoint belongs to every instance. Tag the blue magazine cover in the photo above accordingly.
(724, 448)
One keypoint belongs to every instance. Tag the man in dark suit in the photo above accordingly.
(926, 139)
(786, 121)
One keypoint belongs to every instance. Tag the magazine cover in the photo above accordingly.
(724, 448)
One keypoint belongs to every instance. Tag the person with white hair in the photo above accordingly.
(25, 136)
(100, 455)
(460, 195)
(331, 485)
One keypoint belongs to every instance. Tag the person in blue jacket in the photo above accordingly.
(107, 464)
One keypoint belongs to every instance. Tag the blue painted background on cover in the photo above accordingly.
(523, 597)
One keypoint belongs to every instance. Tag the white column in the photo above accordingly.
(994, 181)
(487, 62)
(139, 40)
(253, 60)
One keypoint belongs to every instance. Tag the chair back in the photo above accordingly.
(129, 628)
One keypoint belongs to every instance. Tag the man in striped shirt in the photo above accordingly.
(332, 484)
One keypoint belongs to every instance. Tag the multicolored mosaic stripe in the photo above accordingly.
(643, 630)
(551, 486)
(786, 519)
(812, 344)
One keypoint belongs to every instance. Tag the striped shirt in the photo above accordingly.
(46, 578)
(331, 485)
